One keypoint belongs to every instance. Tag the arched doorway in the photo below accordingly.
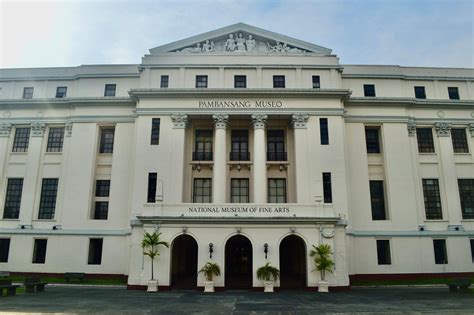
(238, 263)
(292, 263)
(184, 259)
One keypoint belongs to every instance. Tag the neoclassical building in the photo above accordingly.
(240, 146)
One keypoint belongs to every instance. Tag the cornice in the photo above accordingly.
(66, 102)
(408, 102)
(425, 233)
(238, 220)
(237, 111)
(404, 77)
(239, 66)
(103, 232)
(74, 77)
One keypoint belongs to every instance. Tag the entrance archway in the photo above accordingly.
(184, 260)
(293, 263)
(238, 263)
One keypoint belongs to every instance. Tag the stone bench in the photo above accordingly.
(74, 275)
(461, 284)
(6, 285)
(34, 285)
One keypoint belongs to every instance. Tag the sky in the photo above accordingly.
(61, 33)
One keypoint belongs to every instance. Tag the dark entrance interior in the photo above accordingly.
(238, 263)
(292, 263)
(184, 262)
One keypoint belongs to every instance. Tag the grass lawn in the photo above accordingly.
(404, 282)
(85, 281)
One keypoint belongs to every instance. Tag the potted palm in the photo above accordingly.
(323, 263)
(269, 275)
(150, 245)
(210, 270)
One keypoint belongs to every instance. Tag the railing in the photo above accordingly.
(202, 156)
(239, 156)
(276, 156)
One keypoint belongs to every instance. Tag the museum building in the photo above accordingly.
(241, 146)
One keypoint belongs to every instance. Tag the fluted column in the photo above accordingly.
(299, 122)
(260, 160)
(220, 160)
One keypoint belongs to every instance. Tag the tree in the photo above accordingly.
(150, 245)
(322, 259)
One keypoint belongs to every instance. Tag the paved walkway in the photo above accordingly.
(359, 300)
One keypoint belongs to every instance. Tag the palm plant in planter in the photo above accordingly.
(150, 245)
(323, 263)
(210, 270)
(269, 275)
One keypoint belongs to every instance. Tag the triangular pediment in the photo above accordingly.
(240, 38)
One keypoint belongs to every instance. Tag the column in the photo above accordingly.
(300, 122)
(260, 160)
(5, 130)
(220, 159)
(175, 192)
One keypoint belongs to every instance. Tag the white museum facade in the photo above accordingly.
(241, 146)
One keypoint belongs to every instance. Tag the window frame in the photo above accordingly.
(327, 187)
(202, 81)
(28, 92)
(21, 142)
(279, 82)
(324, 131)
(378, 201)
(155, 131)
(276, 144)
(435, 214)
(48, 198)
(5, 256)
(453, 93)
(369, 90)
(277, 196)
(373, 144)
(93, 261)
(16, 195)
(61, 94)
(445, 251)
(203, 145)
(246, 190)
(387, 260)
(110, 90)
(239, 145)
(242, 84)
(466, 197)
(420, 92)
(459, 140)
(104, 147)
(316, 81)
(203, 180)
(425, 142)
(164, 81)
(55, 141)
(151, 187)
(35, 257)
(101, 199)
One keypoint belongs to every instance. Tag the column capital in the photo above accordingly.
(300, 120)
(411, 128)
(220, 121)
(37, 129)
(443, 129)
(179, 120)
(471, 129)
(5, 129)
(259, 121)
(68, 128)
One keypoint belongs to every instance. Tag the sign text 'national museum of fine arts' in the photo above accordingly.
(240, 210)
(240, 104)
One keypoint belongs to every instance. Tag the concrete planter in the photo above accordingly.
(152, 286)
(323, 286)
(268, 286)
(208, 286)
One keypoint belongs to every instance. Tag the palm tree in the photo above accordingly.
(322, 259)
(150, 244)
(267, 273)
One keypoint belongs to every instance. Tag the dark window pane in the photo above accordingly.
(21, 140)
(101, 210)
(239, 145)
(472, 249)
(155, 131)
(55, 139)
(49, 190)
(383, 252)
(377, 200)
(39, 251)
(276, 145)
(441, 255)
(202, 190)
(95, 251)
(4, 249)
(152, 178)
(420, 92)
(107, 140)
(453, 93)
(102, 188)
(110, 89)
(316, 82)
(164, 81)
(13, 198)
(28, 92)
(432, 199)
(424, 137)
(61, 91)
(278, 81)
(277, 190)
(459, 139)
(372, 140)
(239, 190)
(240, 81)
(327, 188)
(201, 81)
(324, 131)
(466, 194)
(369, 90)
(203, 145)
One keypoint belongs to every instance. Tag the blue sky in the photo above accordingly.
(70, 33)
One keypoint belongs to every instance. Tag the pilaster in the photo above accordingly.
(220, 160)
(178, 134)
(299, 122)
(260, 160)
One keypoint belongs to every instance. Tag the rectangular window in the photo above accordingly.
(61, 92)
(49, 191)
(324, 131)
(13, 198)
(164, 81)
(372, 139)
(316, 82)
(28, 92)
(369, 90)
(278, 81)
(152, 178)
(276, 190)
(239, 188)
(383, 252)
(202, 190)
(239, 145)
(472, 249)
(201, 81)
(420, 92)
(21, 140)
(5, 249)
(377, 200)
(424, 137)
(240, 81)
(55, 139)
(432, 199)
(440, 252)
(327, 188)
(110, 89)
(101, 210)
(203, 145)
(107, 140)
(276, 145)
(466, 194)
(95, 251)
(39, 251)
(101, 204)
(102, 188)
(155, 131)
(459, 139)
(453, 93)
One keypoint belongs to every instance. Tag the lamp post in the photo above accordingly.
(265, 249)
(211, 249)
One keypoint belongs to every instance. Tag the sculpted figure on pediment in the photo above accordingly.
(240, 42)
(230, 43)
(208, 46)
(250, 42)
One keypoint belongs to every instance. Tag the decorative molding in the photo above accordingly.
(65, 232)
(300, 120)
(443, 129)
(179, 120)
(37, 129)
(471, 129)
(238, 111)
(408, 102)
(68, 128)
(5, 129)
(259, 121)
(308, 221)
(425, 233)
(411, 128)
(220, 121)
